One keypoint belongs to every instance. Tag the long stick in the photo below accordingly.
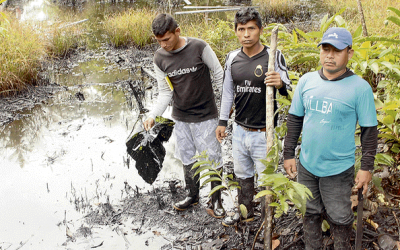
(270, 138)
(361, 12)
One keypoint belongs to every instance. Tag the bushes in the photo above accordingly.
(131, 26)
(21, 51)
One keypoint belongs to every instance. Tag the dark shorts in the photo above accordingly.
(331, 194)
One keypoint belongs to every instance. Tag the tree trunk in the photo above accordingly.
(270, 138)
(364, 25)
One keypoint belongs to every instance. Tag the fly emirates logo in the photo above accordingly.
(248, 88)
(182, 71)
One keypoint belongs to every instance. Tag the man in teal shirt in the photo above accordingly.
(326, 106)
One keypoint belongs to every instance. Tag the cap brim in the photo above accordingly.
(334, 43)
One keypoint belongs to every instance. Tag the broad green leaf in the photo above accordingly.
(387, 136)
(383, 159)
(395, 148)
(394, 19)
(202, 168)
(325, 226)
(215, 189)
(274, 204)
(303, 34)
(340, 21)
(358, 32)
(264, 193)
(199, 163)
(377, 182)
(208, 173)
(387, 65)
(284, 101)
(396, 11)
(374, 67)
(294, 37)
(388, 120)
(323, 21)
(243, 211)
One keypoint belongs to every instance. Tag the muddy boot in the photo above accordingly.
(341, 236)
(245, 197)
(312, 231)
(215, 208)
(193, 185)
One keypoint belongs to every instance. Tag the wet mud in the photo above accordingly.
(148, 214)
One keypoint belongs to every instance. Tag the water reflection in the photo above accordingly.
(64, 157)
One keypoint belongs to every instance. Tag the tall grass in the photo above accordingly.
(132, 26)
(375, 13)
(21, 51)
(61, 41)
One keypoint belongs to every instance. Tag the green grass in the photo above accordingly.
(21, 51)
(133, 26)
(375, 13)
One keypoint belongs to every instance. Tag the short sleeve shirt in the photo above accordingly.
(331, 110)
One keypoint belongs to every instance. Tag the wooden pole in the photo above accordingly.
(364, 25)
(270, 138)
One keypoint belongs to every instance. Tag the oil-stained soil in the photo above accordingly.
(140, 212)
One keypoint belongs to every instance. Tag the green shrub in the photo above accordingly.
(133, 26)
(21, 51)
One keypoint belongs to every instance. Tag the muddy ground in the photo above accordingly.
(151, 211)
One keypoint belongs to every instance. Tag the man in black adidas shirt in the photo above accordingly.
(184, 66)
(245, 81)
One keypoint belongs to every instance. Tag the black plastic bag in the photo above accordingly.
(146, 148)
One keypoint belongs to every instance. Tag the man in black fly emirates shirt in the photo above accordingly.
(244, 85)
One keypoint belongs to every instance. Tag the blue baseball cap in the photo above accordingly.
(339, 38)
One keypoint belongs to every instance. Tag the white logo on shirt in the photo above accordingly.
(182, 71)
(324, 122)
(248, 88)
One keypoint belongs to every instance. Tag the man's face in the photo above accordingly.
(334, 60)
(248, 34)
(169, 41)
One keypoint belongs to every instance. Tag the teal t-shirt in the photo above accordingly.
(331, 110)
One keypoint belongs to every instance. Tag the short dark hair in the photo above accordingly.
(245, 15)
(163, 23)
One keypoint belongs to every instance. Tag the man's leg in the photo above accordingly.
(185, 150)
(203, 134)
(336, 192)
(312, 219)
(192, 184)
(244, 171)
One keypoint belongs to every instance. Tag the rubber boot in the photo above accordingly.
(312, 231)
(215, 208)
(245, 197)
(341, 236)
(193, 185)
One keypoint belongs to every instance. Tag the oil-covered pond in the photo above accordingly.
(69, 154)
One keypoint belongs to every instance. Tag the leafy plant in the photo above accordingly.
(282, 189)
(213, 173)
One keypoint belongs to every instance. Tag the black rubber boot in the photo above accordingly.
(215, 208)
(312, 231)
(193, 185)
(341, 236)
(245, 197)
